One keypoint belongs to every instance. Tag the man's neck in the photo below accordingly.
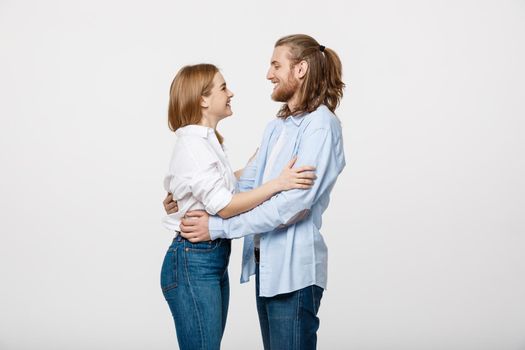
(293, 103)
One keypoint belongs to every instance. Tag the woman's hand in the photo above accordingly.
(170, 205)
(239, 172)
(253, 156)
(290, 178)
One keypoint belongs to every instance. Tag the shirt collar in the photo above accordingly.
(195, 130)
(297, 120)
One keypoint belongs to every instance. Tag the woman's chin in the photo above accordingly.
(226, 115)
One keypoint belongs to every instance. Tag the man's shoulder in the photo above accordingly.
(272, 125)
(322, 118)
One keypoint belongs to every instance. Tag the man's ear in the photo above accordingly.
(300, 69)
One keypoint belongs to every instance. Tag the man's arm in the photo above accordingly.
(320, 148)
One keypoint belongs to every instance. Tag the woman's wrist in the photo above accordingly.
(276, 185)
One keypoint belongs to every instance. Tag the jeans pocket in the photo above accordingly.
(168, 274)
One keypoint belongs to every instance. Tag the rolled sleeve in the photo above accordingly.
(209, 188)
(218, 201)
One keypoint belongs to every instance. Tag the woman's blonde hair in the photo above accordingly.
(187, 89)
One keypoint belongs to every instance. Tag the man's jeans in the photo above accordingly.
(194, 280)
(289, 321)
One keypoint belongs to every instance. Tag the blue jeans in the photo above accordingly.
(194, 281)
(289, 321)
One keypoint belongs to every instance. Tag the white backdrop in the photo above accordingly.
(426, 230)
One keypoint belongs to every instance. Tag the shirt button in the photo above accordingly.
(187, 249)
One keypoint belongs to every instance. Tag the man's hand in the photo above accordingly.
(194, 226)
(170, 205)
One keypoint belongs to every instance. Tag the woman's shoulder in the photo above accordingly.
(190, 154)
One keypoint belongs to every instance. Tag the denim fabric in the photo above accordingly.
(194, 281)
(289, 321)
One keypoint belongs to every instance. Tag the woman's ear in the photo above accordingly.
(204, 102)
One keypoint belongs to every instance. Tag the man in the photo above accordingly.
(282, 243)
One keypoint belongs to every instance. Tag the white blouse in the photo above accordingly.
(200, 176)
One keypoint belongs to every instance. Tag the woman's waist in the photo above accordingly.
(187, 246)
(172, 221)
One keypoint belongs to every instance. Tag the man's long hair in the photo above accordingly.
(322, 83)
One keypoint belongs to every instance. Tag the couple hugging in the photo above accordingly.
(276, 202)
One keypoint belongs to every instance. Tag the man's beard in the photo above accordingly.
(286, 90)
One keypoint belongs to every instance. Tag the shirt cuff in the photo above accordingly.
(215, 227)
(220, 200)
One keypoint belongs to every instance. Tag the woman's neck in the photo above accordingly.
(208, 122)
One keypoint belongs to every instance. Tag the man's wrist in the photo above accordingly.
(215, 227)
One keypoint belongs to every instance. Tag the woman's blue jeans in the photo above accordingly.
(194, 281)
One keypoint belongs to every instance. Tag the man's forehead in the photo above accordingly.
(280, 54)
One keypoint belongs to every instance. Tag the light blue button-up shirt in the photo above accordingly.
(293, 254)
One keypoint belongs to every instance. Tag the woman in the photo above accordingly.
(194, 277)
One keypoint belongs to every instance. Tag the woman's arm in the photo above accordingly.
(205, 191)
(299, 178)
(170, 205)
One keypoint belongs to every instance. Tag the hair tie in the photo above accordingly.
(321, 48)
